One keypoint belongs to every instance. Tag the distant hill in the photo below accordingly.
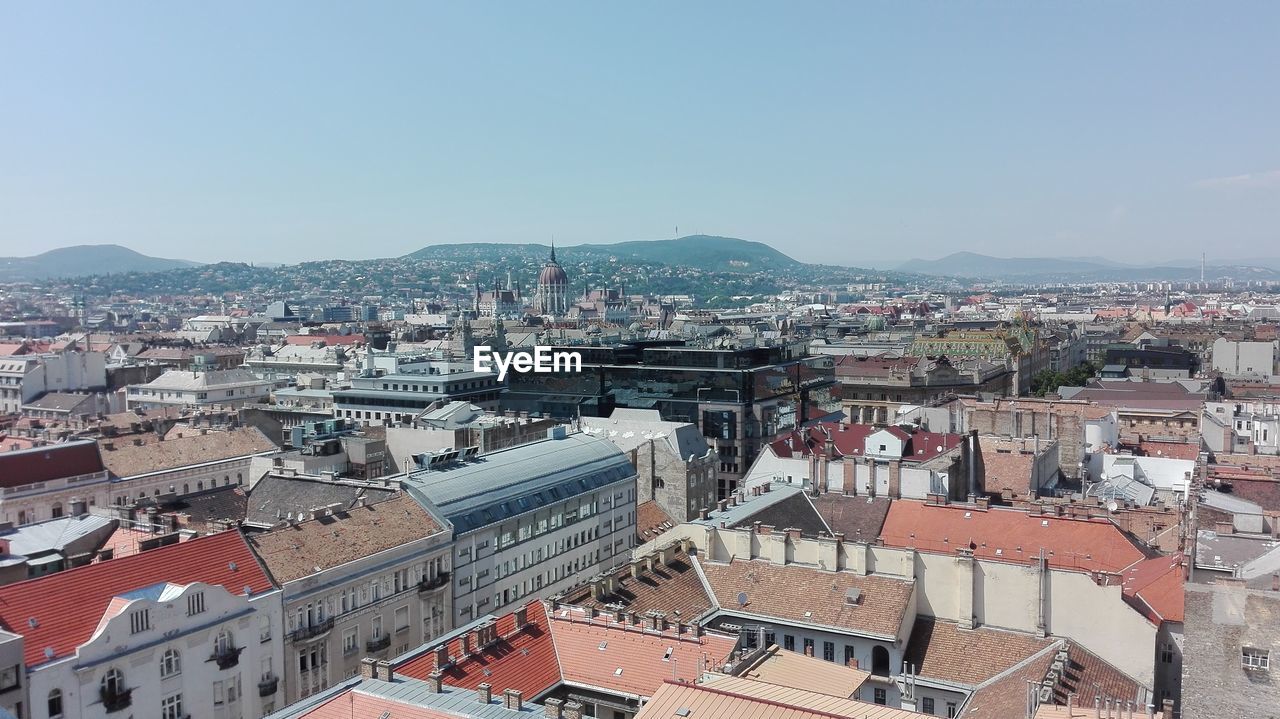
(1098, 269)
(83, 260)
(705, 252)
(971, 264)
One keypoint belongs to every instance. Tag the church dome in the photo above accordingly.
(552, 274)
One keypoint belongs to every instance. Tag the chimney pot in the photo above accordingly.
(435, 682)
(484, 693)
(368, 668)
(384, 671)
(553, 708)
(513, 699)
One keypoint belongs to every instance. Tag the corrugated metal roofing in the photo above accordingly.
(509, 482)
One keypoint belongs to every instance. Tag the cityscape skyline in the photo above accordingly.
(853, 135)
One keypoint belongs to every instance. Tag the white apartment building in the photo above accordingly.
(394, 389)
(147, 636)
(181, 388)
(25, 377)
(532, 520)
(369, 581)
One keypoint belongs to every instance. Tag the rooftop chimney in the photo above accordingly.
(553, 708)
(435, 682)
(484, 693)
(513, 699)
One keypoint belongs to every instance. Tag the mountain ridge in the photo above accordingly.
(83, 261)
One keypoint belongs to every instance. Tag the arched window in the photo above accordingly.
(113, 682)
(55, 704)
(22, 516)
(880, 661)
(186, 488)
(223, 642)
(239, 478)
(170, 664)
(199, 485)
(226, 481)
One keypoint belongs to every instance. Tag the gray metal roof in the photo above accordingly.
(509, 482)
(55, 534)
(414, 692)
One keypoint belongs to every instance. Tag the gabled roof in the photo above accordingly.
(673, 588)
(849, 440)
(306, 548)
(880, 610)
(50, 462)
(1010, 535)
(1154, 587)
(522, 658)
(797, 671)
(68, 605)
(621, 658)
(941, 650)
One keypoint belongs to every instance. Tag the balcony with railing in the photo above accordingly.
(115, 700)
(226, 657)
(268, 686)
(312, 631)
(431, 585)
(378, 644)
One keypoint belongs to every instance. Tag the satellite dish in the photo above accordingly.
(1112, 506)
(742, 599)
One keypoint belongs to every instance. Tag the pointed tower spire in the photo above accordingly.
(553, 248)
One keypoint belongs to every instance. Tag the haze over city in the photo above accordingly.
(848, 133)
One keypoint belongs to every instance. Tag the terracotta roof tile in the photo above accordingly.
(1156, 585)
(308, 547)
(630, 659)
(354, 703)
(651, 521)
(1005, 697)
(942, 650)
(1087, 675)
(1011, 535)
(859, 518)
(674, 589)
(880, 610)
(523, 659)
(68, 605)
(128, 460)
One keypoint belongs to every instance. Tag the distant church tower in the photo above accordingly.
(552, 296)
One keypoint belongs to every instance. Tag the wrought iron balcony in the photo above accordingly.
(430, 585)
(267, 687)
(114, 701)
(226, 657)
(377, 645)
(311, 631)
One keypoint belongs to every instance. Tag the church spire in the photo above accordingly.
(553, 248)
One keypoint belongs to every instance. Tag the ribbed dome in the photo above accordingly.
(552, 274)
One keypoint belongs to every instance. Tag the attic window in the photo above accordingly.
(666, 656)
(603, 646)
(1044, 523)
(617, 672)
(683, 712)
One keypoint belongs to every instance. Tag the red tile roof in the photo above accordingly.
(67, 606)
(629, 659)
(50, 462)
(1154, 587)
(1011, 535)
(851, 439)
(1172, 450)
(523, 659)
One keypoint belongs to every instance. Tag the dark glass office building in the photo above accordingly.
(737, 397)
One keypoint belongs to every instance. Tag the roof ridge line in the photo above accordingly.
(1053, 646)
(555, 648)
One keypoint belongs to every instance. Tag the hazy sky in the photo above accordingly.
(837, 132)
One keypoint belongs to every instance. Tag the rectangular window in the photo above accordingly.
(881, 696)
(808, 647)
(951, 710)
(140, 621)
(829, 651)
(350, 640)
(1251, 658)
(402, 619)
(171, 707)
(788, 642)
(926, 705)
